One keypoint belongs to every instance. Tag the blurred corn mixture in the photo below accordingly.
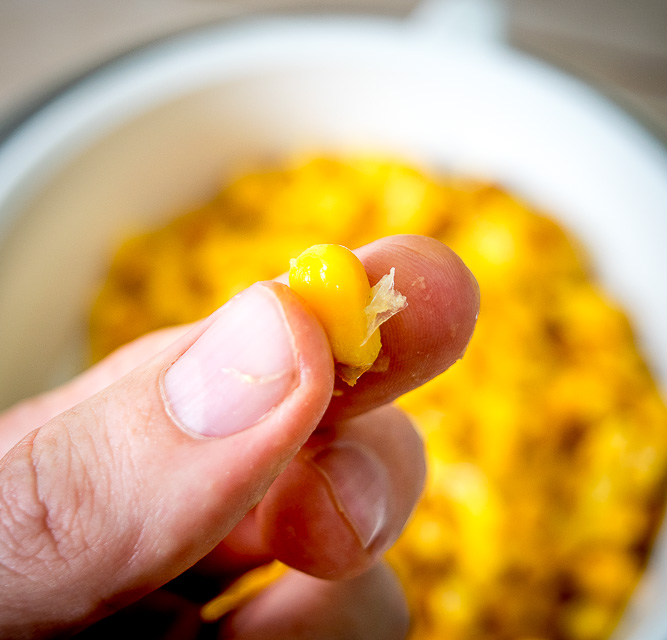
(547, 443)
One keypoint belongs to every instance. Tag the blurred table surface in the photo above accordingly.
(619, 46)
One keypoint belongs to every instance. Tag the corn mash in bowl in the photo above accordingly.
(546, 444)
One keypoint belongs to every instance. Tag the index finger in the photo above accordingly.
(424, 339)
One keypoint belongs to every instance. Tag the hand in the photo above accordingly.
(208, 450)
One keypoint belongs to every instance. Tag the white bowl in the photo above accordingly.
(157, 130)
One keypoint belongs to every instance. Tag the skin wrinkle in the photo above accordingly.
(9, 505)
(121, 457)
(87, 492)
(25, 463)
(5, 567)
(116, 463)
(44, 527)
(89, 484)
(126, 464)
(83, 488)
(101, 497)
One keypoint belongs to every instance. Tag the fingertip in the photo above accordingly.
(429, 335)
(443, 295)
(443, 304)
(299, 520)
(345, 498)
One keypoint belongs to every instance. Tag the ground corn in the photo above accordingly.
(547, 443)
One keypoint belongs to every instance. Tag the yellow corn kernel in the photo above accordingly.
(334, 283)
(244, 589)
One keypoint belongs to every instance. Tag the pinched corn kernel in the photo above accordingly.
(333, 282)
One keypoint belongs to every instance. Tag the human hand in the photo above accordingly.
(193, 455)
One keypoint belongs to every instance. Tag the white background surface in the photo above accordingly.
(620, 46)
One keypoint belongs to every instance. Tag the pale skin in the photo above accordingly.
(112, 508)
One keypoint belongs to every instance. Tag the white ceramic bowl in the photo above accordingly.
(159, 129)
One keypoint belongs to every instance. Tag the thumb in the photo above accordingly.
(125, 491)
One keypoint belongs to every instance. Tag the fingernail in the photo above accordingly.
(360, 486)
(239, 369)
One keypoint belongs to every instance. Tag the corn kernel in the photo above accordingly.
(334, 283)
(242, 590)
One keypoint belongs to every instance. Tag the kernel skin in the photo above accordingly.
(335, 286)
